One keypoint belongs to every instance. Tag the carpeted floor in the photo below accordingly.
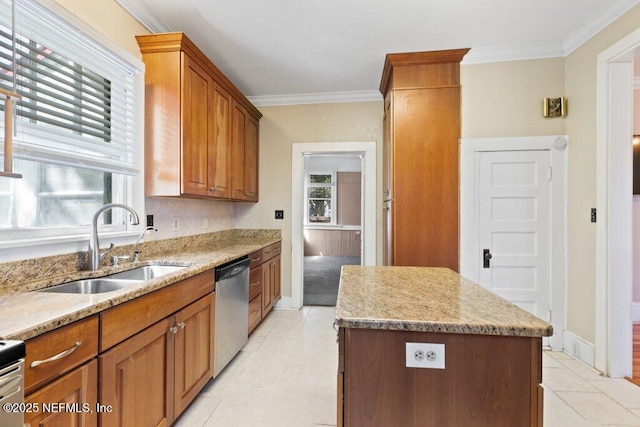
(322, 277)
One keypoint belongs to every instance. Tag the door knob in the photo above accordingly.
(486, 256)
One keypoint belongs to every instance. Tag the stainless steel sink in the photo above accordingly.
(91, 286)
(113, 282)
(146, 272)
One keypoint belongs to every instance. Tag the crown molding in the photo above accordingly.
(584, 33)
(481, 55)
(141, 11)
(316, 98)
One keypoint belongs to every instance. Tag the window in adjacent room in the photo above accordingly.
(321, 197)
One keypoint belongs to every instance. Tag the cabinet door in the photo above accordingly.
(267, 302)
(79, 388)
(238, 132)
(196, 87)
(220, 144)
(193, 350)
(134, 379)
(275, 279)
(251, 159)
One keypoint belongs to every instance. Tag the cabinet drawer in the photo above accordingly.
(54, 353)
(125, 320)
(256, 258)
(255, 312)
(255, 283)
(271, 251)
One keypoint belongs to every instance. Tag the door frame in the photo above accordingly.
(369, 210)
(614, 203)
(469, 234)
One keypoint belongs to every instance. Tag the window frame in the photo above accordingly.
(127, 189)
(333, 200)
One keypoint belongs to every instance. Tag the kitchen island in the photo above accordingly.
(487, 370)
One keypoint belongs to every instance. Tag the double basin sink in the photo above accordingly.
(115, 281)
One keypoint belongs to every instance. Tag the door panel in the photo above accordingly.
(514, 225)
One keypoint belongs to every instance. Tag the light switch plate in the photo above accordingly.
(424, 355)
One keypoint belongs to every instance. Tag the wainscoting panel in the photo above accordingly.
(332, 242)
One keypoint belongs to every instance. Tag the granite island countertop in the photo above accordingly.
(27, 313)
(426, 299)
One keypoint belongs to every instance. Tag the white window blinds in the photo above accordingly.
(81, 103)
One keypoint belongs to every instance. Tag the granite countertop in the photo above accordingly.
(26, 314)
(426, 299)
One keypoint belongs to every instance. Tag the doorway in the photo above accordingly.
(614, 270)
(529, 267)
(332, 223)
(367, 152)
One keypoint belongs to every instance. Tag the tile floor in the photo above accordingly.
(286, 376)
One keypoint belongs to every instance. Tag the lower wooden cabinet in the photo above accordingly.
(150, 378)
(264, 283)
(135, 379)
(193, 350)
(68, 401)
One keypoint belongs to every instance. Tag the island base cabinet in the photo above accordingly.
(76, 392)
(487, 380)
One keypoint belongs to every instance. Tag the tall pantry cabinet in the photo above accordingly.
(421, 162)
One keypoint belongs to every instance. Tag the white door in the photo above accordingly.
(514, 227)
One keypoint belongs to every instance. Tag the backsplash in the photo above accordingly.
(192, 216)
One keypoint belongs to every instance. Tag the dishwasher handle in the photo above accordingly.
(232, 269)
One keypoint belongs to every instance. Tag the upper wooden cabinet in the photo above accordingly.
(421, 165)
(201, 132)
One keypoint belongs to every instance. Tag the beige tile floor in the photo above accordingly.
(286, 376)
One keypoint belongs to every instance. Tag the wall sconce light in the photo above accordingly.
(554, 107)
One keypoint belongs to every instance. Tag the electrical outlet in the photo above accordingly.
(424, 355)
(149, 220)
(205, 222)
(279, 214)
(176, 223)
(594, 215)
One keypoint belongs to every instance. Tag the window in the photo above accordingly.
(321, 197)
(78, 124)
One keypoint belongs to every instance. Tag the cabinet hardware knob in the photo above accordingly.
(58, 356)
(173, 330)
(181, 325)
(212, 189)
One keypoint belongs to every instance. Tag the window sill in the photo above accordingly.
(55, 240)
(332, 227)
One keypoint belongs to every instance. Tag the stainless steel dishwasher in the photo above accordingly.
(232, 318)
(12, 355)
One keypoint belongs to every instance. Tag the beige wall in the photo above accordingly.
(505, 98)
(109, 18)
(581, 128)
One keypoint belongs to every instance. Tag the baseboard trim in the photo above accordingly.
(579, 348)
(284, 304)
(635, 311)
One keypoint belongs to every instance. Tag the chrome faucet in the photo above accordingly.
(94, 258)
(136, 253)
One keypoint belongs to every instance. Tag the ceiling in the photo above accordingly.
(281, 51)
